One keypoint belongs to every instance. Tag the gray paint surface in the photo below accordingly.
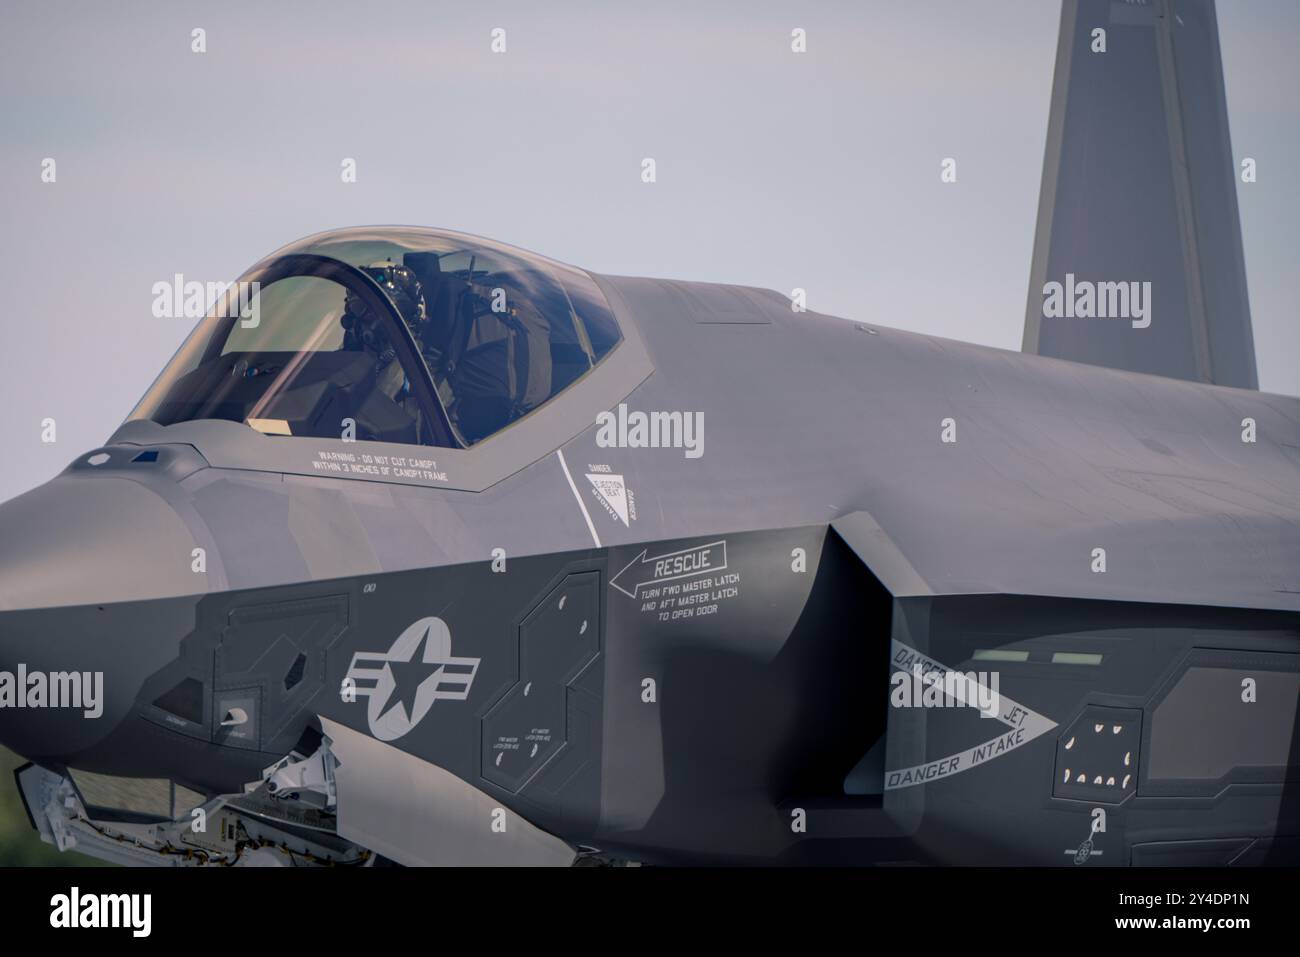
(951, 549)
(1052, 460)
(771, 700)
(1139, 184)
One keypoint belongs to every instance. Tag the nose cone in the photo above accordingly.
(92, 570)
(93, 539)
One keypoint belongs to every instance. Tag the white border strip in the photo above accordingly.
(590, 527)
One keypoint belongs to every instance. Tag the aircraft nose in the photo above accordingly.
(83, 539)
(94, 574)
(69, 676)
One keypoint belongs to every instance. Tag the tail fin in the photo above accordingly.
(1139, 187)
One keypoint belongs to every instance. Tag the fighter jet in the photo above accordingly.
(425, 549)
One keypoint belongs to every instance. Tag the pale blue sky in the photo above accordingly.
(775, 170)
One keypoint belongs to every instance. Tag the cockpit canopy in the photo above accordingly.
(389, 334)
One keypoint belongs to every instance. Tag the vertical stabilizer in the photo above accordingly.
(1138, 260)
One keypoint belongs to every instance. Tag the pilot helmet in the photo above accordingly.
(364, 329)
(404, 291)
